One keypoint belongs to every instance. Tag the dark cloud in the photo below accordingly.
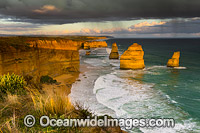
(174, 26)
(70, 11)
(19, 27)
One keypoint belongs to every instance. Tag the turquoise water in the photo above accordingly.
(182, 85)
(155, 92)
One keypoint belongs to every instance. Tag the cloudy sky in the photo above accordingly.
(119, 18)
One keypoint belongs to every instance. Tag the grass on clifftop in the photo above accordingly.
(14, 107)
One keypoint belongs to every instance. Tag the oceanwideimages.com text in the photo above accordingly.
(128, 123)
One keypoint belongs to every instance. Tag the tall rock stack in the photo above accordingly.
(88, 53)
(114, 52)
(133, 58)
(174, 61)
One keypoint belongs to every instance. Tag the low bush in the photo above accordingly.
(13, 84)
(47, 79)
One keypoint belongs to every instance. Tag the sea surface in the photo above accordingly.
(154, 92)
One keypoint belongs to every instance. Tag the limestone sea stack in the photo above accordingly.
(114, 52)
(174, 61)
(87, 53)
(132, 58)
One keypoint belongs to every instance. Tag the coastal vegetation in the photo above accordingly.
(15, 106)
(22, 94)
(47, 79)
(46, 91)
(12, 84)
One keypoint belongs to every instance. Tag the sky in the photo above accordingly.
(118, 18)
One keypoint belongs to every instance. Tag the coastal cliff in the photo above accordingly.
(40, 62)
(174, 61)
(94, 44)
(54, 44)
(114, 52)
(132, 58)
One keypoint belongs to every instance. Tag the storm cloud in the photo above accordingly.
(71, 11)
(187, 26)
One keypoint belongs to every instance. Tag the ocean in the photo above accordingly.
(154, 92)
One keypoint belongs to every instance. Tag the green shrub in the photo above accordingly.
(47, 79)
(13, 84)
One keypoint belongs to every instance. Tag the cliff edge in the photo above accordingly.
(54, 44)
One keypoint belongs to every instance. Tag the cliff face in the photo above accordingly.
(66, 44)
(40, 62)
(174, 61)
(114, 52)
(95, 44)
(53, 44)
(133, 58)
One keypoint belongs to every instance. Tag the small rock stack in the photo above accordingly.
(87, 53)
(174, 61)
(114, 52)
(133, 58)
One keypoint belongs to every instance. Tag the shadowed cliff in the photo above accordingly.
(39, 62)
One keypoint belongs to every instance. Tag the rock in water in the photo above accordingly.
(87, 53)
(132, 58)
(86, 45)
(114, 52)
(174, 61)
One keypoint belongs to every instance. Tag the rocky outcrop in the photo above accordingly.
(87, 53)
(174, 61)
(86, 45)
(132, 58)
(39, 62)
(54, 44)
(95, 44)
(66, 44)
(114, 52)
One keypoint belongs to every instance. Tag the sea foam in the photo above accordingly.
(133, 99)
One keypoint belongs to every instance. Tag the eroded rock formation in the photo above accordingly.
(87, 53)
(132, 58)
(114, 52)
(95, 44)
(39, 62)
(54, 44)
(174, 61)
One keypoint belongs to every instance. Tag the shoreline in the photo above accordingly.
(48, 97)
(64, 88)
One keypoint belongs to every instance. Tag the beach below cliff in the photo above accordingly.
(156, 91)
(61, 79)
(45, 73)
